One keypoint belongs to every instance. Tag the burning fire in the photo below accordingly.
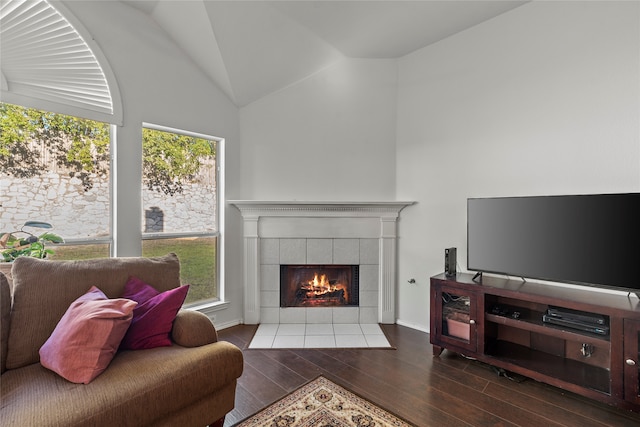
(320, 286)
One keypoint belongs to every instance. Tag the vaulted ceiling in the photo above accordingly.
(253, 48)
(249, 49)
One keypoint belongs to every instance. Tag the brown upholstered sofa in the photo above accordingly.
(190, 383)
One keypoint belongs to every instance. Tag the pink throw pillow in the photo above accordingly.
(153, 317)
(86, 338)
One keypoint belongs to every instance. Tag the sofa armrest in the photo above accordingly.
(193, 329)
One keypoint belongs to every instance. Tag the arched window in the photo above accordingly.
(59, 98)
(50, 62)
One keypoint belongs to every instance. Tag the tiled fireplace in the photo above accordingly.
(360, 235)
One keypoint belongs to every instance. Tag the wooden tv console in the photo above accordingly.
(499, 321)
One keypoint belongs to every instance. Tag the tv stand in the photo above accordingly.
(500, 322)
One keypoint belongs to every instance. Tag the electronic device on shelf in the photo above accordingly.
(505, 311)
(576, 316)
(576, 319)
(578, 325)
(581, 239)
(450, 261)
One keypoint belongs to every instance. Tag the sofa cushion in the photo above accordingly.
(87, 337)
(139, 388)
(154, 315)
(43, 290)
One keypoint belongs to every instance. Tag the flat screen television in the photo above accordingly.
(582, 239)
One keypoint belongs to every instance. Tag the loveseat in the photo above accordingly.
(188, 383)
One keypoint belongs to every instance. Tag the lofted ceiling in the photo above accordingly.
(249, 49)
(252, 48)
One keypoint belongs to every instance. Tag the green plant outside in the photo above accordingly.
(197, 261)
(31, 246)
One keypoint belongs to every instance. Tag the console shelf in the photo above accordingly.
(548, 365)
(500, 322)
(537, 325)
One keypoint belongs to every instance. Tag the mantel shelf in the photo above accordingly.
(325, 208)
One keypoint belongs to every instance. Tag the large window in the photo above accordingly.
(55, 168)
(180, 205)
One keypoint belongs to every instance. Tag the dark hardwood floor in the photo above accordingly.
(410, 382)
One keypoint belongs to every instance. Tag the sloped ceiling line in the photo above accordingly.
(251, 49)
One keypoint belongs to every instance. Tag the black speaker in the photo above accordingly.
(450, 261)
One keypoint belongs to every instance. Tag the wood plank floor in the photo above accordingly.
(408, 381)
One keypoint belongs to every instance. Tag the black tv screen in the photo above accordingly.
(583, 239)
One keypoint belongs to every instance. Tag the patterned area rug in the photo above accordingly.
(323, 403)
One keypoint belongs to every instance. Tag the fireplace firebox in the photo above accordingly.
(319, 285)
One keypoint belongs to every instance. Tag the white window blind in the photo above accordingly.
(44, 57)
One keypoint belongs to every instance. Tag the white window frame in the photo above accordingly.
(221, 302)
(108, 240)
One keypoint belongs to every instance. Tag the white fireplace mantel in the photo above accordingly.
(250, 208)
(313, 219)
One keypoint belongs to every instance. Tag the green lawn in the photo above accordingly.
(197, 261)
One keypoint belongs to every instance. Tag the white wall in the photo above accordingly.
(544, 99)
(159, 84)
(328, 137)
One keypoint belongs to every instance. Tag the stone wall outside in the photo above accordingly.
(75, 213)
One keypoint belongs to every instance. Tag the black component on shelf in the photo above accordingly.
(450, 261)
(506, 311)
(578, 325)
(577, 316)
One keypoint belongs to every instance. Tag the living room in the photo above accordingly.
(541, 99)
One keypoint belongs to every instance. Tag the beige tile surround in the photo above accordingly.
(362, 252)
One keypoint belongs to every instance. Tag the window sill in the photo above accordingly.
(209, 308)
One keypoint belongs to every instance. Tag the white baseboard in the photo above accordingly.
(229, 324)
(236, 322)
(413, 326)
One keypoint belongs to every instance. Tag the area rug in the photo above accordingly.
(323, 403)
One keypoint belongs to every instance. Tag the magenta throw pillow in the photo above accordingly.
(86, 338)
(153, 317)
